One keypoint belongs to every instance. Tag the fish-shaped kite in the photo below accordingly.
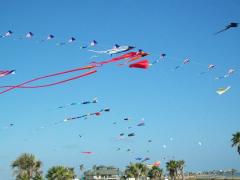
(115, 50)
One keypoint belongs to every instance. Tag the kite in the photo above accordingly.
(131, 134)
(105, 110)
(94, 100)
(7, 34)
(128, 150)
(149, 141)
(185, 61)
(29, 35)
(23, 85)
(127, 119)
(87, 152)
(221, 91)
(137, 56)
(122, 134)
(92, 43)
(162, 57)
(6, 72)
(115, 50)
(70, 40)
(130, 56)
(143, 64)
(98, 113)
(229, 73)
(49, 37)
(210, 67)
(141, 123)
(231, 25)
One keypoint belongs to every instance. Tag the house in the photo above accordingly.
(103, 173)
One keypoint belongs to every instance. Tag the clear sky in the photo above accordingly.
(180, 108)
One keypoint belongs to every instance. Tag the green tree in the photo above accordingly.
(236, 141)
(27, 167)
(180, 166)
(172, 167)
(60, 173)
(155, 173)
(136, 170)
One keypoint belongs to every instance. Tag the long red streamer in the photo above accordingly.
(51, 75)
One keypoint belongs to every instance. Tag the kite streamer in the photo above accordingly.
(9, 88)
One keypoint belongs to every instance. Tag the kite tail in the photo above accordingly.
(47, 76)
(55, 83)
(99, 52)
(221, 31)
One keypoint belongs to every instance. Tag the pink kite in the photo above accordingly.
(87, 152)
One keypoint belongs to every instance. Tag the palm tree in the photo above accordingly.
(27, 167)
(60, 173)
(180, 166)
(236, 141)
(81, 167)
(172, 168)
(233, 171)
(155, 173)
(136, 170)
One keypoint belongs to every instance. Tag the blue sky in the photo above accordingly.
(178, 104)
